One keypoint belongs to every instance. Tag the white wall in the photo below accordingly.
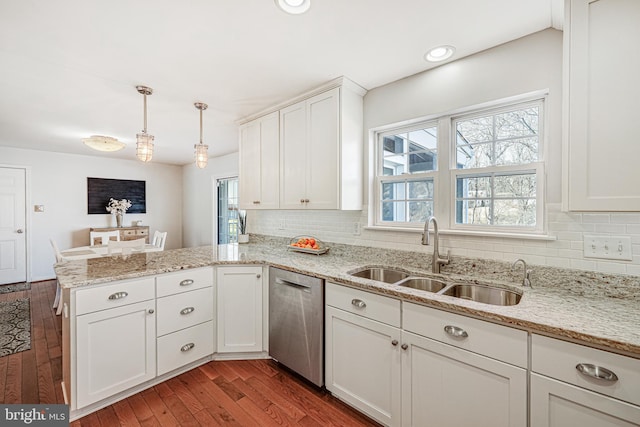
(525, 65)
(199, 208)
(59, 182)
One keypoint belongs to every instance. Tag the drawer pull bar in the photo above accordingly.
(187, 347)
(186, 282)
(187, 310)
(455, 331)
(358, 303)
(118, 295)
(597, 372)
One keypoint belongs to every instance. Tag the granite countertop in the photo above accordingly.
(595, 309)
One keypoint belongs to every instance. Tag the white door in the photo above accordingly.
(239, 308)
(362, 364)
(557, 404)
(447, 386)
(13, 252)
(116, 351)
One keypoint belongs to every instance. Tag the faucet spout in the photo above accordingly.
(526, 277)
(436, 260)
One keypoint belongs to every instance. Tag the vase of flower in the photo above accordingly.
(118, 208)
(243, 237)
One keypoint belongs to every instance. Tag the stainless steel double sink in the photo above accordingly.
(475, 292)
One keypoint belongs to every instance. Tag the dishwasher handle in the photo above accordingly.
(301, 286)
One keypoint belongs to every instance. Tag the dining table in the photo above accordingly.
(97, 251)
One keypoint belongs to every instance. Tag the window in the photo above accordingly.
(477, 171)
(227, 210)
(406, 175)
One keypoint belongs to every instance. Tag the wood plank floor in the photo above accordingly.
(229, 393)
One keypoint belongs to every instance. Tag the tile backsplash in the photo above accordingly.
(566, 251)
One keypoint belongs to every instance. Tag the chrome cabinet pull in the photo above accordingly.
(187, 310)
(256, 202)
(118, 295)
(187, 347)
(455, 331)
(404, 346)
(394, 343)
(306, 200)
(301, 200)
(151, 311)
(597, 372)
(258, 276)
(186, 282)
(358, 303)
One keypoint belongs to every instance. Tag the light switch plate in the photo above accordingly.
(608, 247)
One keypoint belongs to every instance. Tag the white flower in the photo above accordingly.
(118, 206)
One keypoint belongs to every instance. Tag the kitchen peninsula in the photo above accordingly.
(594, 310)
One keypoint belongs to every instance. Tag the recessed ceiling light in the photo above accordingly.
(294, 7)
(103, 143)
(439, 53)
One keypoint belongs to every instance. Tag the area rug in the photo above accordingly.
(15, 287)
(15, 326)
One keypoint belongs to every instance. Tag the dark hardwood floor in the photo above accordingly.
(230, 393)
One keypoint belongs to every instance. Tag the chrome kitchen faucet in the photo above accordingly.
(436, 261)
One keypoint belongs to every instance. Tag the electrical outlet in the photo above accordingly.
(608, 247)
(283, 224)
(356, 228)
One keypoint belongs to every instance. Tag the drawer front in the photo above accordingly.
(183, 347)
(372, 306)
(183, 310)
(559, 359)
(142, 232)
(186, 280)
(491, 340)
(129, 233)
(114, 295)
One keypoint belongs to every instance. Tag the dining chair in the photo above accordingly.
(125, 246)
(56, 301)
(159, 238)
(102, 237)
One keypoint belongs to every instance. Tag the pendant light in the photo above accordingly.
(144, 144)
(202, 154)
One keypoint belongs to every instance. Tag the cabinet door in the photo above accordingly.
(558, 404)
(602, 105)
(362, 364)
(293, 156)
(444, 385)
(322, 173)
(259, 163)
(239, 303)
(116, 350)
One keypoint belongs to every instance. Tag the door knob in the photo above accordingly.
(19, 231)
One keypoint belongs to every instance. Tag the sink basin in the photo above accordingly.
(423, 284)
(381, 274)
(484, 294)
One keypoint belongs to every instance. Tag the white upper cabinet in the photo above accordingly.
(319, 157)
(601, 105)
(259, 163)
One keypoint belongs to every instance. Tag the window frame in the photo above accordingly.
(445, 174)
(379, 178)
(536, 167)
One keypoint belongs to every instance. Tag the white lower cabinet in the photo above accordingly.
(577, 385)
(362, 364)
(239, 308)
(419, 375)
(443, 385)
(115, 350)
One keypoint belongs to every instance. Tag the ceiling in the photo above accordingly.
(68, 69)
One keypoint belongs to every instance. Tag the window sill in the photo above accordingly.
(523, 236)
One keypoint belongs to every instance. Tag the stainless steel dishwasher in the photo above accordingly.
(296, 323)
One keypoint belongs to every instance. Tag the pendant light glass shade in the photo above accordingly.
(144, 144)
(202, 151)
